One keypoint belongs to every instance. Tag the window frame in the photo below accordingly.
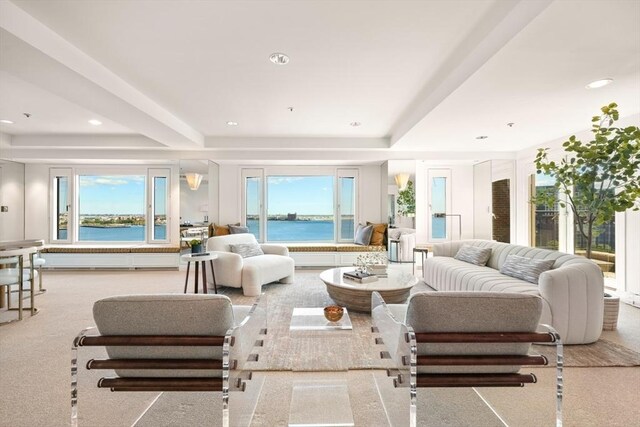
(297, 171)
(73, 175)
(439, 173)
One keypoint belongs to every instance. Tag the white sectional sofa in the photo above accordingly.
(572, 291)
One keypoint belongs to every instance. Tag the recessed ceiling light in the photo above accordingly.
(598, 83)
(355, 124)
(279, 58)
(95, 122)
(482, 137)
(232, 123)
(6, 122)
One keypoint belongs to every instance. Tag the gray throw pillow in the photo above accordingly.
(363, 234)
(528, 269)
(246, 250)
(473, 255)
(238, 229)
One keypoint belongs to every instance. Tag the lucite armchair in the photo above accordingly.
(458, 339)
(177, 343)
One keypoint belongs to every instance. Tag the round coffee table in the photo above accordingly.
(356, 296)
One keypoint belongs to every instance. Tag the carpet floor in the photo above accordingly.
(35, 360)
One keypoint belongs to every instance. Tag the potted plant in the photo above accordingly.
(196, 246)
(597, 178)
(407, 201)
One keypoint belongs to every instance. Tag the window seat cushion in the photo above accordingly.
(333, 247)
(110, 249)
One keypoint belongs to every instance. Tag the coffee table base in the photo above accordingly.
(360, 300)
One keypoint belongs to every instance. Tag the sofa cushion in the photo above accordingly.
(363, 234)
(525, 268)
(246, 250)
(377, 236)
(237, 229)
(473, 255)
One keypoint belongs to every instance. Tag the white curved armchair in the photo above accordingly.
(252, 272)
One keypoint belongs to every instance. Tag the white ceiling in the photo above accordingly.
(421, 76)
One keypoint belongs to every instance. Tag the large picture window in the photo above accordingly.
(110, 207)
(299, 207)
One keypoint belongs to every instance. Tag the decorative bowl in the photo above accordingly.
(333, 313)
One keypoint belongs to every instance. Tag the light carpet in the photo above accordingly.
(309, 291)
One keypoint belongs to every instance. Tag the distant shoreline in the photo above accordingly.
(109, 226)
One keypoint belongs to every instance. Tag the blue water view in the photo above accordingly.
(301, 231)
(134, 233)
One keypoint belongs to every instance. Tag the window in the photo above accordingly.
(253, 205)
(347, 189)
(300, 208)
(110, 207)
(61, 202)
(439, 203)
(545, 230)
(160, 199)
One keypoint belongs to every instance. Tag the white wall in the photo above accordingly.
(482, 201)
(12, 196)
(214, 188)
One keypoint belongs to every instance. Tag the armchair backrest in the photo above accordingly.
(473, 312)
(163, 314)
(221, 243)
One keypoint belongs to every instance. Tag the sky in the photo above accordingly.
(117, 194)
(304, 195)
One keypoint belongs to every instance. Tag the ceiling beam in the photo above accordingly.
(35, 53)
(501, 23)
(293, 143)
(57, 155)
(122, 142)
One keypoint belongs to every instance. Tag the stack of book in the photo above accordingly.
(359, 276)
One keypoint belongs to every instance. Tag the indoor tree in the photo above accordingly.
(597, 178)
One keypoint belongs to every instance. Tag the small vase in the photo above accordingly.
(196, 249)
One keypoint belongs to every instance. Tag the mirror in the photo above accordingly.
(400, 173)
(11, 200)
(194, 193)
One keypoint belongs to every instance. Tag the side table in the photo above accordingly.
(424, 252)
(200, 258)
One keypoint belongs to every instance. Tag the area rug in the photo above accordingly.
(309, 291)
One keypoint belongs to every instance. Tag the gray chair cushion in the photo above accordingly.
(528, 269)
(473, 255)
(473, 312)
(164, 314)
